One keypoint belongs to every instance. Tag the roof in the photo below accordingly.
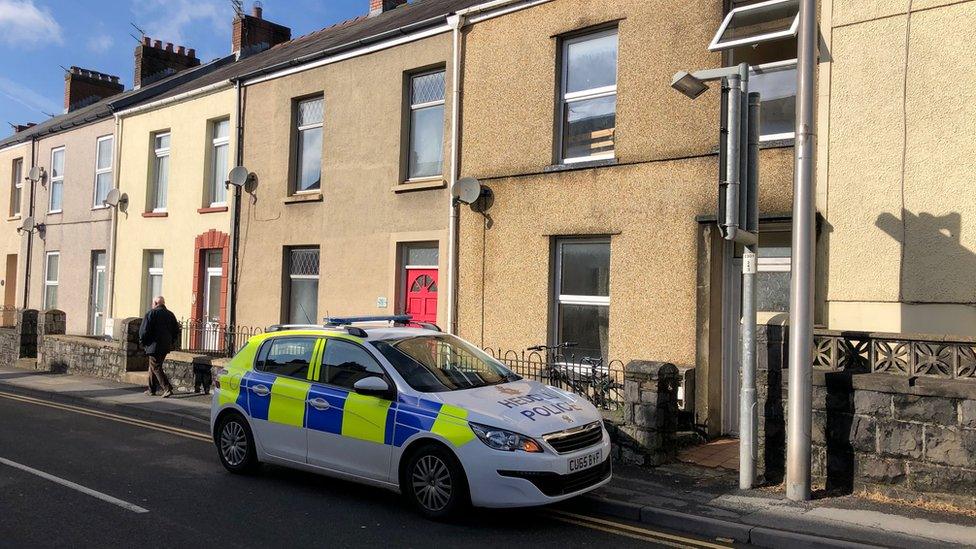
(105, 107)
(354, 33)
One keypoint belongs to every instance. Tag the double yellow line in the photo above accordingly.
(626, 530)
(593, 523)
(186, 433)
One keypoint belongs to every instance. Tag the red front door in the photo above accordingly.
(422, 294)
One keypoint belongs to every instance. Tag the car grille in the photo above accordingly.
(554, 484)
(575, 439)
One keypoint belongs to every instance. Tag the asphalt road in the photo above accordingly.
(68, 478)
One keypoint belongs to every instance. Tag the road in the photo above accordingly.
(76, 477)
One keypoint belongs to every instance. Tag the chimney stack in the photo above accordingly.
(155, 62)
(83, 87)
(252, 33)
(21, 127)
(377, 7)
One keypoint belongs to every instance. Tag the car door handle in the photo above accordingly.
(319, 404)
(261, 390)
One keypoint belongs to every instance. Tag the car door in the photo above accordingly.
(347, 431)
(277, 391)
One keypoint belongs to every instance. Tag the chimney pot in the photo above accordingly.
(191, 52)
(256, 11)
(146, 41)
(158, 44)
(181, 50)
(169, 46)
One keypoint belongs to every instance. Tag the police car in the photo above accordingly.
(409, 409)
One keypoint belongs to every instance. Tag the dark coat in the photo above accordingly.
(159, 332)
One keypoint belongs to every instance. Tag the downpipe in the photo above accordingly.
(748, 409)
(456, 23)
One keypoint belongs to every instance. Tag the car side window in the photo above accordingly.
(287, 356)
(345, 363)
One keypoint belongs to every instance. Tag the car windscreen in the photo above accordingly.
(442, 362)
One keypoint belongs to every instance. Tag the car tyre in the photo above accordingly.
(235, 444)
(434, 483)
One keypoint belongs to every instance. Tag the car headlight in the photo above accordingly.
(507, 441)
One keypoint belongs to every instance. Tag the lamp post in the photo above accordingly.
(738, 220)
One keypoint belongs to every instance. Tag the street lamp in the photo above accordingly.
(688, 84)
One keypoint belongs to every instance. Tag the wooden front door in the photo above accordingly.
(421, 300)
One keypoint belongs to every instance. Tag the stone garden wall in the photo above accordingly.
(891, 415)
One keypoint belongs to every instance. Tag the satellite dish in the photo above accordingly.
(27, 225)
(34, 174)
(466, 190)
(113, 198)
(238, 176)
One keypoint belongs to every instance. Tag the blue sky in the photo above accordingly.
(40, 35)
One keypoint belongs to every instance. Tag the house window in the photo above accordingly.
(220, 143)
(757, 22)
(303, 285)
(773, 271)
(16, 185)
(154, 277)
(309, 172)
(589, 96)
(426, 153)
(160, 173)
(52, 263)
(582, 294)
(776, 84)
(57, 180)
(103, 169)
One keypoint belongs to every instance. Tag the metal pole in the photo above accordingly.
(799, 416)
(748, 413)
(731, 222)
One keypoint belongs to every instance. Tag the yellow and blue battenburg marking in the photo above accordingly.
(350, 414)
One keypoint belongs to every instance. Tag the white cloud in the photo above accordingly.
(169, 20)
(28, 97)
(100, 43)
(26, 25)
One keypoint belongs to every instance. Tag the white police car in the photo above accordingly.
(409, 409)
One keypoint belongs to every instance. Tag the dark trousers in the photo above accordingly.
(157, 378)
(202, 378)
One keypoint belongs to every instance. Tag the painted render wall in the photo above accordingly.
(189, 125)
(10, 240)
(77, 231)
(896, 158)
(358, 218)
(666, 175)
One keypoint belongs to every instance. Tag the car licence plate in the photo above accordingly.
(585, 461)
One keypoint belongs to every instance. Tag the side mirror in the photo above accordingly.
(373, 386)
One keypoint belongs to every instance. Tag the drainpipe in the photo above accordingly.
(456, 22)
(803, 261)
(30, 234)
(113, 239)
(236, 215)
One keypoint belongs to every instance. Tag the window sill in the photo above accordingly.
(212, 209)
(770, 144)
(581, 165)
(54, 212)
(155, 214)
(96, 208)
(424, 184)
(14, 218)
(301, 198)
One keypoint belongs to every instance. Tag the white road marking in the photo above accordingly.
(87, 491)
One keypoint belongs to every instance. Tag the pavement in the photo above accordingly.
(680, 497)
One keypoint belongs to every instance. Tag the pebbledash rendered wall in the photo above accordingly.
(891, 415)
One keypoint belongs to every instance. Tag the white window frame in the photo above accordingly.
(159, 153)
(48, 283)
(593, 93)
(717, 45)
(96, 205)
(17, 187)
(153, 271)
(765, 68)
(421, 106)
(216, 142)
(292, 277)
(569, 299)
(298, 154)
(57, 180)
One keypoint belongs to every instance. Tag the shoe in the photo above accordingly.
(167, 393)
(149, 393)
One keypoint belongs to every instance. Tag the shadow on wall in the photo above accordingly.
(935, 268)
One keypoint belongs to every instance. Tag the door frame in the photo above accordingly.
(95, 271)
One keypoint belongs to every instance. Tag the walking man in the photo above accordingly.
(159, 334)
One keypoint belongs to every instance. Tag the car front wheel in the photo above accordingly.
(434, 482)
(235, 444)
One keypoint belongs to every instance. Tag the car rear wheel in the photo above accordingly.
(434, 482)
(235, 444)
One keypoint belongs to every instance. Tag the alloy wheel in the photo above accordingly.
(432, 483)
(233, 443)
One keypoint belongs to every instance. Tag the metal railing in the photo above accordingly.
(595, 378)
(214, 339)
